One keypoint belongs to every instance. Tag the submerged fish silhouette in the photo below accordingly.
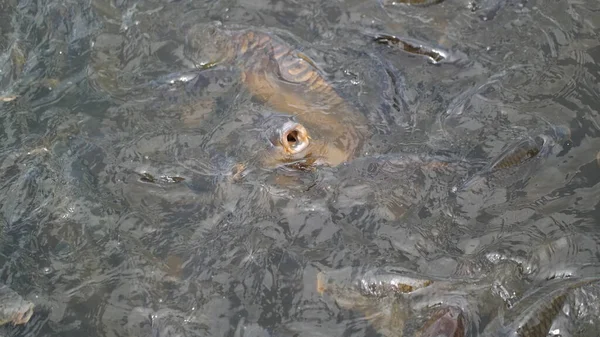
(533, 315)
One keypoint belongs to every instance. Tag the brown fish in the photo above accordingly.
(292, 145)
(288, 81)
(531, 147)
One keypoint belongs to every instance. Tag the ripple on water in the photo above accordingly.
(98, 95)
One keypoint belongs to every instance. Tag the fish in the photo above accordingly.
(376, 282)
(419, 3)
(378, 295)
(13, 308)
(381, 282)
(399, 302)
(285, 79)
(387, 301)
(523, 155)
(533, 315)
(412, 46)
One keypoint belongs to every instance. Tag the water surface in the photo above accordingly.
(104, 250)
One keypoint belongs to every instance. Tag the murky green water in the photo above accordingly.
(135, 205)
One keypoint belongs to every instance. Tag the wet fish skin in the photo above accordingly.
(287, 80)
(448, 305)
(386, 303)
(378, 295)
(13, 308)
(412, 46)
(530, 147)
(521, 155)
(379, 283)
(254, 50)
(533, 315)
(375, 282)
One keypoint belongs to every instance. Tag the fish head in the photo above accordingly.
(559, 134)
(292, 146)
(208, 44)
(344, 293)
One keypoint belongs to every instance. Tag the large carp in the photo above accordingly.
(290, 82)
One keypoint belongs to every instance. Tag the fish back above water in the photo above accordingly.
(533, 315)
(255, 51)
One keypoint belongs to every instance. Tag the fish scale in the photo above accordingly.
(293, 66)
(289, 82)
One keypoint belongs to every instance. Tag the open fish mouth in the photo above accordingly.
(293, 138)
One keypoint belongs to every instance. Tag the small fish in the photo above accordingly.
(8, 98)
(381, 282)
(179, 77)
(384, 297)
(521, 155)
(13, 308)
(533, 315)
(164, 179)
(375, 282)
(419, 3)
(412, 46)
(529, 148)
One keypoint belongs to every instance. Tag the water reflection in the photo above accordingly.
(137, 198)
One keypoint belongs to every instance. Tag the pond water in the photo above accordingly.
(136, 199)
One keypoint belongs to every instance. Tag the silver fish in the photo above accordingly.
(533, 315)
